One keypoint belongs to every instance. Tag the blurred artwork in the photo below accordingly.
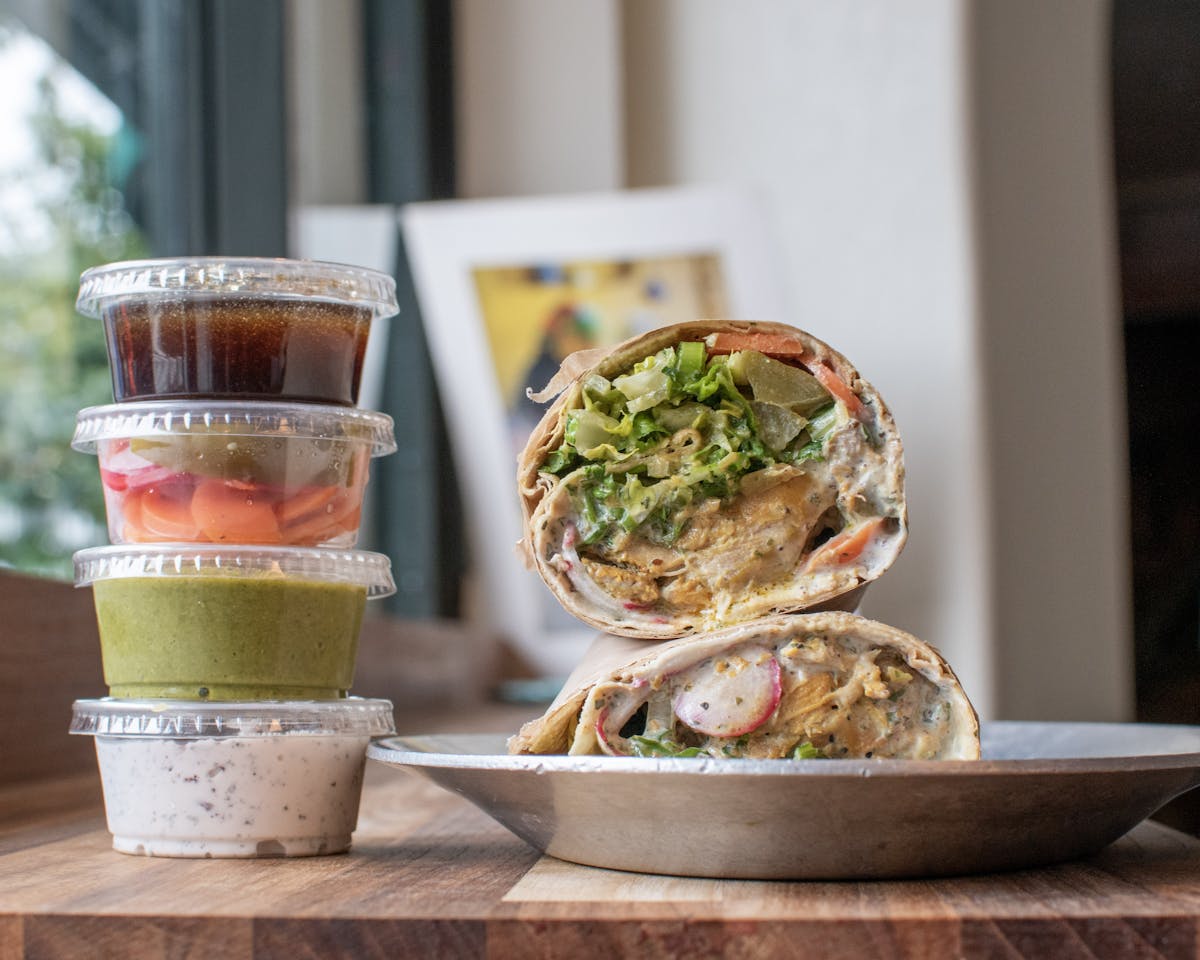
(537, 315)
(508, 288)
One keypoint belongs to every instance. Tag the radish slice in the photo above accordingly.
(729, 696)
(602, 732)
(151, 476)
(125, 470)
(607, 731)
(613, 716)
(117, 482)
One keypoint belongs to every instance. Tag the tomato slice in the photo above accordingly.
(836, 386)
(777, 345)
(847, 546)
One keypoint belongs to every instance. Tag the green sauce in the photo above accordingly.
(217, 637)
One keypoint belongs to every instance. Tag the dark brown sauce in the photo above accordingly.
(259, 348)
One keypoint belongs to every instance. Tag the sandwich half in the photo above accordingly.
(708, 473)
(810, 686)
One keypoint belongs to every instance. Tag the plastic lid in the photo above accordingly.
(360, 568)
(236, 276)
(186, 719)
(304, 421)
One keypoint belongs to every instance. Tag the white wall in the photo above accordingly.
(937, 172)
(537, 96)
(325, 97)
(1049, 312)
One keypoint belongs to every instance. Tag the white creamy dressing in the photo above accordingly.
(289, 794)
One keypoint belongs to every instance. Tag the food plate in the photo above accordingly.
(1044, 793)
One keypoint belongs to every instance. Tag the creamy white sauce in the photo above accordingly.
(290, 794)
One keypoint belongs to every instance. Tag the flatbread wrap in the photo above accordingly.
(708, 473)
(830, 685)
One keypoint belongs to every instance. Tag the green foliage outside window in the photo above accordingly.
(52, 361)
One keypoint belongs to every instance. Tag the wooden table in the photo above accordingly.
(431, 876)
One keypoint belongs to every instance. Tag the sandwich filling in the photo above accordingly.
(809, 697)
(710, 473)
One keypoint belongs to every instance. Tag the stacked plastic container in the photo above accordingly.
(234, 463)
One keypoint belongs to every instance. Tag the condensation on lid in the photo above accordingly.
(280, 279)
(305, 421)
(372, 571)
(186, 719)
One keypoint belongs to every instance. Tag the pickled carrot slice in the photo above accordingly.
(166, 514)
(337, 516)
(133, 527)
(350, 521)
(226, 514)
(347, 503)
(847, 546)
(307, 500)
(130, 506)
(313, 529)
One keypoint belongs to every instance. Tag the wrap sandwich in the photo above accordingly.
(708, 473)
(801, 686)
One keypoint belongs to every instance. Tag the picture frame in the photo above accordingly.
(477, 266)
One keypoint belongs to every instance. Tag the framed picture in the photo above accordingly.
(507, 289)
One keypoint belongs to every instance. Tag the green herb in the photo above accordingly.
(660, 745)
(806, 751)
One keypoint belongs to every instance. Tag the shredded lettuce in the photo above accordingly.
(678, 428)
(690, 362)
(818, 430)
(823, 422)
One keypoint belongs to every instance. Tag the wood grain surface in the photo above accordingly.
(431, 876)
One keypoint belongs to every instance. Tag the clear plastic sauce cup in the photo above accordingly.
(231, 779)
(206, 622)
(250, 328)
(226, 472)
